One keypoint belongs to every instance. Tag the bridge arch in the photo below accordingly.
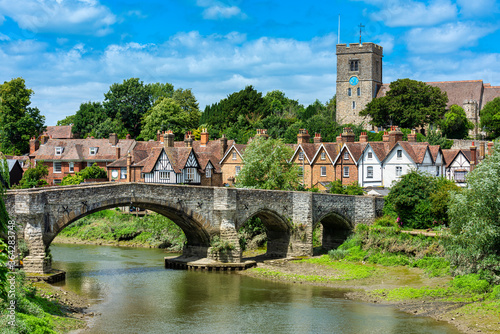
(336, 229)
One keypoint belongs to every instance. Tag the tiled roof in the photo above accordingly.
(381, 149)
(331, 149)
(150, 161)
(449, 156)
(356, 149)
(490, 93)
(434, 151)
(59, 132)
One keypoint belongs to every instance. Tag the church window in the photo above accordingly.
(349, 92)
(359, 91)
(353, 105)
(354, 65)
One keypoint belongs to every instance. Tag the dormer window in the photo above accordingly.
(93, 150)
(301, 156)
(234, 156)
(323, 156)
(59, 150)
(346, 155)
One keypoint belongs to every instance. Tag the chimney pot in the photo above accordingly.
(168, 139)
(385, 137)
(113, 139)
(303, 136)
(490, 148)
(317, 138)
(363, 138)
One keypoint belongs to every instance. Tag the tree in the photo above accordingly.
(490, 118)
(409, 104)
(167, 114)
(354, 188)
(68, 120)
(455, 124)
(435, 137)
(88, 118)
(18, 121)
(33, 177)
(128, 102)
(473, 245)
(158, 90)
(331, 107)
(267, 166)
(91, 172)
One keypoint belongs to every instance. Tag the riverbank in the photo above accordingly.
(408, 289)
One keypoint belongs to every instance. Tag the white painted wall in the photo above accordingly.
(363, 164)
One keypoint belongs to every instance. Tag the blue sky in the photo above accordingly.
(71, 51)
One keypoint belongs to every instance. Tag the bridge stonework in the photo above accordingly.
(201, 212)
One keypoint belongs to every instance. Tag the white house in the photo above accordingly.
(370, 171)
(172, 165)
(458, 163)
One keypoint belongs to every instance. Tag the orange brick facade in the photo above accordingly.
(54, 178)
(345, 160)
(229, 164)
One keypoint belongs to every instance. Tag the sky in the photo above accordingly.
(72, 51)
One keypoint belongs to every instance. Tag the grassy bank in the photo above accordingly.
(116, 227)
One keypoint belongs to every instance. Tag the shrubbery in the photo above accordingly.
(336, 187)
(91, 172)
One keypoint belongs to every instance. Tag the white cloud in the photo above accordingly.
(477, 7)
(386, 41)
(215, 10)
(70, 16)
(411, 13)
(446, 38)
(4, 37)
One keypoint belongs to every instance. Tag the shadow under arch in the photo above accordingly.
(278, 231)
(196, 229)
(336, 229)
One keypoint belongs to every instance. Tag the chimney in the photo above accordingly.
(113, 139)
(490, 148)
(223, 145)
(481, 150)
(188, 139)
(118, 153)
(412, 137)
(44, 138)
(347, 136)
(395, 135)
(262, 133)
(129, 163)
(168, 139)
(385, 137)
(158, 136)
(473, 159)
(363, 138)
(303, 136)
(204, 137)
(128, 136)
(34, 145)
(317, 138)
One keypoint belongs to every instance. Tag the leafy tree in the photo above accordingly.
(18, 121)
(354, 188)
(331, 107)
(88, 118)
(168, 115)
(490, 118)
(128, 102)
(440, 200)
(91, 172)
(409, 104)
(68, 120)
(186, 100)
(435, 137)
(159, 90)
(473, 245)
(103, 129)
(34, 177)
(267, 166)
(455, 124)
(281, 105)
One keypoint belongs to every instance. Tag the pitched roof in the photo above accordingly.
(60, 132)
(356, 149)
(435, 151)
(449, 156)
(415, 150)
(490, 93)
(381, 149)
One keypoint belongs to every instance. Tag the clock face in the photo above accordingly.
(353, 81)
(114, 174)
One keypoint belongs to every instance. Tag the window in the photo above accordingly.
(353, 104)
(354, 65)
(399, 170)
(164, 175)
(237, 170)
(208, 172)
(301, 171)
(437, 170)
(369, 173)
(349, 92)
(346, 155)
(234, 156)
(323, 156)
(370, 155)
(123, 173)
(323, 170)
(459, 175)
(359, 91)
(59, 150)
(301, 156)
(57, 182)
(93, 150)
(190, 174)
(71, 167)
(89, 163)
(399, 154)
(346, 171)
(57, 167)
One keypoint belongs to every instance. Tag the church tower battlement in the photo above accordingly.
(359, 77)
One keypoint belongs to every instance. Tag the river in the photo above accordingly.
(136, 294)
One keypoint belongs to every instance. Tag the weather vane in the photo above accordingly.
(360, 29)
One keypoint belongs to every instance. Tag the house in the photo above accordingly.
(59, 132)
(346, 162)
(303, 156)
(460, 162)
(15, 171)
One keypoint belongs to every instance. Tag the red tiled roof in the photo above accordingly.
(59, 132)
(449, 156)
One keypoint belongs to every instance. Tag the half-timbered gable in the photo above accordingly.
(457, 165)
(190, 172)
(162, 171)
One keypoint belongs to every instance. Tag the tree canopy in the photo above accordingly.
(34, 177)
(490, 118)
(455, 124)
(408, 104)
(18, 121)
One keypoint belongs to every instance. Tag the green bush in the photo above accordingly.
(385, 221)
(389, 259)
(433, 266)
(471, 283)
(91, 172)
(336, 187)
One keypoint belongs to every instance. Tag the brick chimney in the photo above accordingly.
(188, 139)
(44, 138)
(490, 148)
(412, 137)
(481, 150)
(317, 138)
(118, 151)
(385, 137)
(204, 137)
(129, 163)
(34, 145)
(347, 136)
(223, 145)
(363, 137)
(113, 139)
(262, 133)
(128, 136)
(168, 139)
(158, 136)
(473, 162)
(303, 136)
(395, 135)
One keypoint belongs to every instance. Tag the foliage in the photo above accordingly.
(435, 137)
(253, 231)
(440, 200)
(473, 246)
(88, 117)
(385, 221)
(18, 121)
(68, 120)
(490, 118)
(267, 166)
(91, 172)
(354, 188)
(33, 177)
(4, 219)
(220, 246)
(471, 283)
(455, 124)
(408, 104)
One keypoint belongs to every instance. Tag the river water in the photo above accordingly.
(136, 294)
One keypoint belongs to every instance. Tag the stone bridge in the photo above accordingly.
(201, 212)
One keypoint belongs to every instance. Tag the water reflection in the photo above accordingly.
(139, 296)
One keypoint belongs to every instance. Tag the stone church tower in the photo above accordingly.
(359, 77)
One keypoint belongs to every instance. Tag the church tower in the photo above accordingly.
(359, 77)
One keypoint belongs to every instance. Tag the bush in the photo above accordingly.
(471, 283)
(336, 187)
(385, 221)
(91, 172)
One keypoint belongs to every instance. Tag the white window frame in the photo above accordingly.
(57, 163)
(301, 171)
(58, 150)
(323, 156)
(123, 173)
(237, 170)
(57, 182)
(399, 171)
(71, 167)
(235, 156)
(164, 175)
(345, 172)
(93, 150)
(399, 154)
(323, 170)
(370, 155)
(301, 155)
(208, 172)
(369, 172)
(190, 174)
(346, 155)
(89, 163)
